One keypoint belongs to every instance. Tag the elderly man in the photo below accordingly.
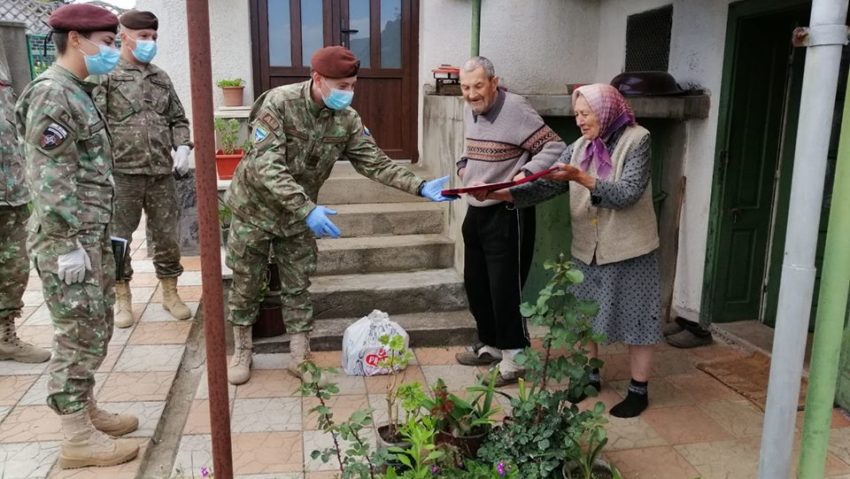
(505, 139)
(298, 131)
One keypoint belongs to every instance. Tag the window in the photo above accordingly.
(648, 40)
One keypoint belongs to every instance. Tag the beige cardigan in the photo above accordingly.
(612, 235)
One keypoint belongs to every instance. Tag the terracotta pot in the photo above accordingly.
(225, 165)
(232, 95)
(600, 470)
(467, 445)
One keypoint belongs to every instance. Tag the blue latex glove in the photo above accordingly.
(320, 224)
(431, 190)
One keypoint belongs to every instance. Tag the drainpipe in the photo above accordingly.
(200, 71)
(476, 26)
(832, 309)
(826, 36)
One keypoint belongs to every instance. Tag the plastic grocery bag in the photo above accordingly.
(361, 346)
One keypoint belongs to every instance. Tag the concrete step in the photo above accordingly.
(446, 328)
(384, 254)
(356, 295)
(380, 219)
(352, 188)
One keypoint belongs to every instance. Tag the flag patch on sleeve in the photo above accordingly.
(260, 134)
(53, 136)
(366, 131)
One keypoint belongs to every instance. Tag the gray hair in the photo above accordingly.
(475, 63)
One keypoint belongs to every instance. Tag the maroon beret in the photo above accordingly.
(335, 62)
(139, 20)
(82, 17)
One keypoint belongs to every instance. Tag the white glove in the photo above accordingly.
(181, 159)
(73, 265)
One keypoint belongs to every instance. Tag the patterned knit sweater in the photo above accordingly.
(510, 137)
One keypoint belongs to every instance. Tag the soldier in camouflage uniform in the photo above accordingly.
(68, 155)
(298, 131)
(146, 120)
(14, 211)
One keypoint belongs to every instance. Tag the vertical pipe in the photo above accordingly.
(476, 26)
(820, 81)
(832, 309)
(198, 22)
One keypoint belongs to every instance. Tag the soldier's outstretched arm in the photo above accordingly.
(48, 140)
(371, 162)
(269, 157)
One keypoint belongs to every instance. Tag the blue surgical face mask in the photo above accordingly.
(145, 50)
(338, 99)
(103, 61)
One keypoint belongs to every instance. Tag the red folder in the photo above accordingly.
(498, 186)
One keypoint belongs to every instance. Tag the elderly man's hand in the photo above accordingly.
(565, 174)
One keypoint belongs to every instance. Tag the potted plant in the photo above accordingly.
(397, 359)
(586, 438)
(232, 91)
(229, 154)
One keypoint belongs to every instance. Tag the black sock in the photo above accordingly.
(636, 400)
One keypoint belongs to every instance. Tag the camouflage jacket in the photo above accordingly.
(145, 117)
(68, 155)
(295, 145)
(13, 191)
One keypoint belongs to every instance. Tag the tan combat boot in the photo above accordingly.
(299, 351)
(239, 371)
(85, 446)
(171, 300)
(109, 423)
(11, 346)
(123, 305)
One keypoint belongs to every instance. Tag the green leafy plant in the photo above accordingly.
(397, 359)
(421, 457)
(463, 418)
(230, 83)
(227, 132)
(587, 436)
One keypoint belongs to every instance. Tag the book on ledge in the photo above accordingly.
(119, 251)
(498, 186)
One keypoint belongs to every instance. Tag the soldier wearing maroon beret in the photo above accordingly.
(299, 132)
(68, 154)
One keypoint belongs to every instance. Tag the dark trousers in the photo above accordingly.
(498, 246)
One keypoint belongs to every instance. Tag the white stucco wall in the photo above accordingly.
(696, 56)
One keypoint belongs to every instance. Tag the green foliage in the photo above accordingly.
(227, 132)
(462, 418)
(397, 359)
(235, 82)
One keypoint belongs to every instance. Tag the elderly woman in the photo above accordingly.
(614, 229)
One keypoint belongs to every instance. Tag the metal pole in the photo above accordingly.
(832, 309)
(198, 22)
(820, 81)
(476, 26)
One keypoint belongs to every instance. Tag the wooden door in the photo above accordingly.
(382, 33)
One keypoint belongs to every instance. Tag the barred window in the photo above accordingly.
(648, 40)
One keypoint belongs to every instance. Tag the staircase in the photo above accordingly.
(394, 256)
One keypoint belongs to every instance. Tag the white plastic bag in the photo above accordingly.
(361, 346)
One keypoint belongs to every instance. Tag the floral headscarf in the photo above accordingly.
(613, 113)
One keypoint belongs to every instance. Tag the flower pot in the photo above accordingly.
(600, 470)
(225, 164)
(232, 95)
(467, 445)
(386, 442)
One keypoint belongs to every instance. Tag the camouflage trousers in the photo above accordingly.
(14, 264)
(248, 250)
(82, 320)
(157, 196)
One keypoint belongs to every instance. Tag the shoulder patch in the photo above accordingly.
(366, 131)
(269, 120)
(53, 136)
(260, 134)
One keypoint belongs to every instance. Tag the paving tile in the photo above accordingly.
(702, 387)
(652, 463)
(684, 425)
(148, 412)
(121, 335)
(30, 424)
(381, 384)
(34, 284)
(190, 278)
(839, 443)
(322, 475)
(4, 411)
(191, 263)
(26, 312)
(39, 335)
(438, 356)
(269, 383)
(14, 368)
(141, 386)
(127, 470)
(342, 406)
(187, 293)
(156, 313)
(143, 266)
(740, 418)
(607, 396)
(195, 451)
(198, 420)
(29, 460)
(112, 355)
(266, 452)
(631, 433)
(144, 280)
(457, 378)
(266, 415)
(722, 459)
(40, 317)
(141, 295)
(161, 333)
(150, 358)
(12, 388)
(661, 393)
(717, 351)
(616, 367)
(203, 389)
(347, 384)
(669, 363)
(33, 298)
(269, 361)
(327, 359)
(287, 475)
